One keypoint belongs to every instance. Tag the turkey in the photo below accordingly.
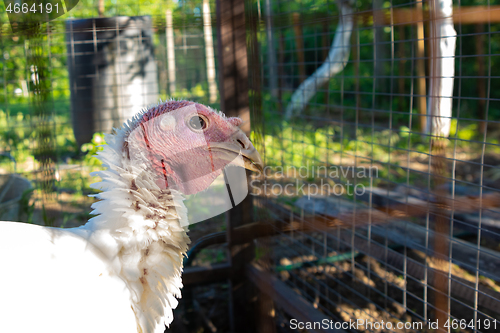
(121, 272)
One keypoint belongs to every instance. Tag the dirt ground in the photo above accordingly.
(369, 290)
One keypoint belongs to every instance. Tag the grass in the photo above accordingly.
(399, 154)
(70, 168)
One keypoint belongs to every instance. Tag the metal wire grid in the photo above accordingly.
(69, 176)
(344, 97)
(62, 185)
(361, 109)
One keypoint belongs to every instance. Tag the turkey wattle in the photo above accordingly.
(121, 272)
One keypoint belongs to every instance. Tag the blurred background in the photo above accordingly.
(378, 121)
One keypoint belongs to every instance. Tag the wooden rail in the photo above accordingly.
(294, 304)
(461, 15)
(398, 16)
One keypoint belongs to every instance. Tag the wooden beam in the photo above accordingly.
(476, 14)
(413, 237)
(233, 63)
(461, 15)
(421, 86)
(397, 231)
(234, 101)
(401, 16)
(205, 274)
(299, 46)
(405, 16)
(290, 301)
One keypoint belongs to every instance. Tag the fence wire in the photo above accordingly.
(382, 216)
(69, 79)
(78, 76)
(378, 216)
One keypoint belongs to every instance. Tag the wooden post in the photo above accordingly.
(380, 48)
(325, 40)
(281, 70)
(299, 44)
(481, 81)
(356, 61)
(326, 51)
(264, 310)
(209, 52)
(170, 51)
(41, 87)
(271, 53)
(233, 64)
(402, 62)
(233, 90)
(421, 87)
(442, 51)
(442, 232)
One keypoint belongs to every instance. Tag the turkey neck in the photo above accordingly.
(138, 229)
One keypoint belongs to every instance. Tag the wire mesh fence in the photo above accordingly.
(382, 152)
(72, 79)
(76, 76)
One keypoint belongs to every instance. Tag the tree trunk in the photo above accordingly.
(170, 51)
(100, 8)
(334, 64)
(442, 47)
(209, 52)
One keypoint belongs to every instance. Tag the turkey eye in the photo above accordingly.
(197, 123)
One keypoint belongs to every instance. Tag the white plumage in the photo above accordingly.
(121, 272)
(45, 280)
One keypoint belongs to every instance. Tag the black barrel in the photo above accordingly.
(112, 72)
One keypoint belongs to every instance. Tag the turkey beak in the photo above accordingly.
(252, 160)
(251, 156)
(239, 143)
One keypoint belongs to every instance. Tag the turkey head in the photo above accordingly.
(186, 145)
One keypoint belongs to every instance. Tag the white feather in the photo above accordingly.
(120, 272)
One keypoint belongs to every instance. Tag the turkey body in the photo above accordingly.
(121, 272)
(57, 277)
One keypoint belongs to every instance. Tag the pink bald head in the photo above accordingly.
(175, 141)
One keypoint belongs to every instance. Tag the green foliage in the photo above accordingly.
(26, 206)
(90, 149)
(47, 221)
(292, 144)
(467, 132)
(16, 134)
(82, 217)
